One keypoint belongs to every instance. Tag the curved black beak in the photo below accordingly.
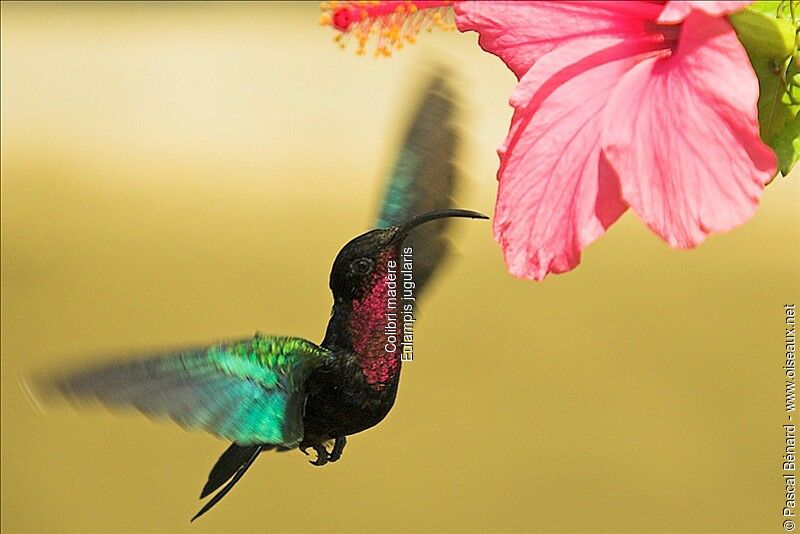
(403, 229)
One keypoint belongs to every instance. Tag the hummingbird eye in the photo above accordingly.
(361, 266)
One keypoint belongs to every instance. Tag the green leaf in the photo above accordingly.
(768, 34)
(768, 7)
(763, 34)
(787, 144)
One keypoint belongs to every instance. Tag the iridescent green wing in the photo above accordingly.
(424, 176)
(250, 391)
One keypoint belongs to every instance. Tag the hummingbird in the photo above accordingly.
(277, 393)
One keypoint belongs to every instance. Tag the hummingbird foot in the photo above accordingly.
(338, 448)
(322, 454)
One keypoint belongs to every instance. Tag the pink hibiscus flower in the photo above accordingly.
(637, 104)
(620, 104)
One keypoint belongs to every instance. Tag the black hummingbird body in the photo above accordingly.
(355, 390)
(279, 393)
(342, 398)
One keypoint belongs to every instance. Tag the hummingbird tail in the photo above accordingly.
(227, 465)
(223, 466)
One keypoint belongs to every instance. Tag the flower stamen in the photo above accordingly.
(392, 23)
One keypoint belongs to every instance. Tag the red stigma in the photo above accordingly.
(343, 18)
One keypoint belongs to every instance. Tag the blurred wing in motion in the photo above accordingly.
(424, 176)
(250, 391)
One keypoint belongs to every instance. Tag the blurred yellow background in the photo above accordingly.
(183, 173)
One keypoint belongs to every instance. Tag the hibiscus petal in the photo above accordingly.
(520, 32)
(556, 193)
(677, 11)
(682, 134)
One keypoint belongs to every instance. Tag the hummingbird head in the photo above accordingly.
(363, 262)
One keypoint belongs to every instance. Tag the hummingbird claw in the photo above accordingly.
(338, 448)
(322, 455)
